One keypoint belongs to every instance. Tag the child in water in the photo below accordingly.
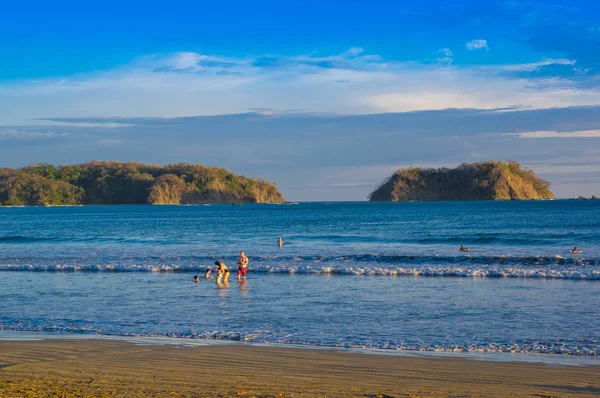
(222, 273)
(196, 278)
(207, 275)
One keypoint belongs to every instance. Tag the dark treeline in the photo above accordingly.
(476, 181)
(130, 183)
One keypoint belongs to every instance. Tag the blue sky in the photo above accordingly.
(326, 98)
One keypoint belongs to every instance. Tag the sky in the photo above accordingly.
(324, 98)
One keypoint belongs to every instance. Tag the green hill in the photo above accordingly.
(476, 181)
(130, 183)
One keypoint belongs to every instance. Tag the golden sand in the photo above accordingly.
(105, 368)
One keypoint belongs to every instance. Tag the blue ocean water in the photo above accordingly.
(349, 274)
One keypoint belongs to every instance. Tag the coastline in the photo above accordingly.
(7, 335)
(103, 367)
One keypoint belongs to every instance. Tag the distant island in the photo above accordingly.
(594, 197)
(469, 181)
(110, 183)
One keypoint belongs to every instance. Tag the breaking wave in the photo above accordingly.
(362, 264)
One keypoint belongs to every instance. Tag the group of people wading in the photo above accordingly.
(223, 271)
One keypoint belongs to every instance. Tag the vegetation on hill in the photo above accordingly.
(476, 181)
(130, 183)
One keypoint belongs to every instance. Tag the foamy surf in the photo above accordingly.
(544, 267)
(582, 348)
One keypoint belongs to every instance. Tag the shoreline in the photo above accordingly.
(39, 368)
(184, 342)
(309, 202)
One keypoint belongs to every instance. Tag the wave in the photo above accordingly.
(358, 265)
(18, 239)
(577, 348)
(22, 239)
(442, 259)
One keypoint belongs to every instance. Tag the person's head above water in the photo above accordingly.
(218, 263)
(208, 270)
(242, 253)
(196, 278)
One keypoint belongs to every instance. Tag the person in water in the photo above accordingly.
(280, 242)
(222, 273)
(207, 275)
(463, 249)
(242, 266)
(196, 278)
(576, 250)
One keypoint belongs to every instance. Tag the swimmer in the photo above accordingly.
(207, 275)
(242, 266)
(463, 249)
(196, 279)
(222, 273)
(576, 250)
(280, 242)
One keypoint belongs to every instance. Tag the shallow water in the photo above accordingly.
(349, 275)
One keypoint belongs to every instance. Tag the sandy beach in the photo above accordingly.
(105, 368)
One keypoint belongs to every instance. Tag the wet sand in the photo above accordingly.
(105, 368)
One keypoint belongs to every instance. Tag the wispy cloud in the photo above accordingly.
(188, 84)
(21, 135)
(532, 66)
(446, 57)
(557, 134)
(478, 44)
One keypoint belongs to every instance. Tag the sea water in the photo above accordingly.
(384, 276)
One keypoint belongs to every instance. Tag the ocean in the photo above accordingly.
(375, 276)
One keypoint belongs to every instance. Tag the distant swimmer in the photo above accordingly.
(196, 278)
(463, 249)
(576, 250)
(280, 242)
(207, 275)
(242, 266)
(222, 272)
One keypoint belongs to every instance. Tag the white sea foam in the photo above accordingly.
(271, 337)
(584, 272)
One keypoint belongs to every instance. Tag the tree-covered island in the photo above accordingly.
(475, 181)
(109, 183)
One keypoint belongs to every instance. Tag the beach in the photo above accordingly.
(101, 301)
(104, 368)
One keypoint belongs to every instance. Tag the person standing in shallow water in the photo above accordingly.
(222, 273)
(242, 266)
(280, 242)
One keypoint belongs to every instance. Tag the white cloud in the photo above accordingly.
(185, 84)
(477, 45)
(556, 134)
(446, 56)
(532, 66)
